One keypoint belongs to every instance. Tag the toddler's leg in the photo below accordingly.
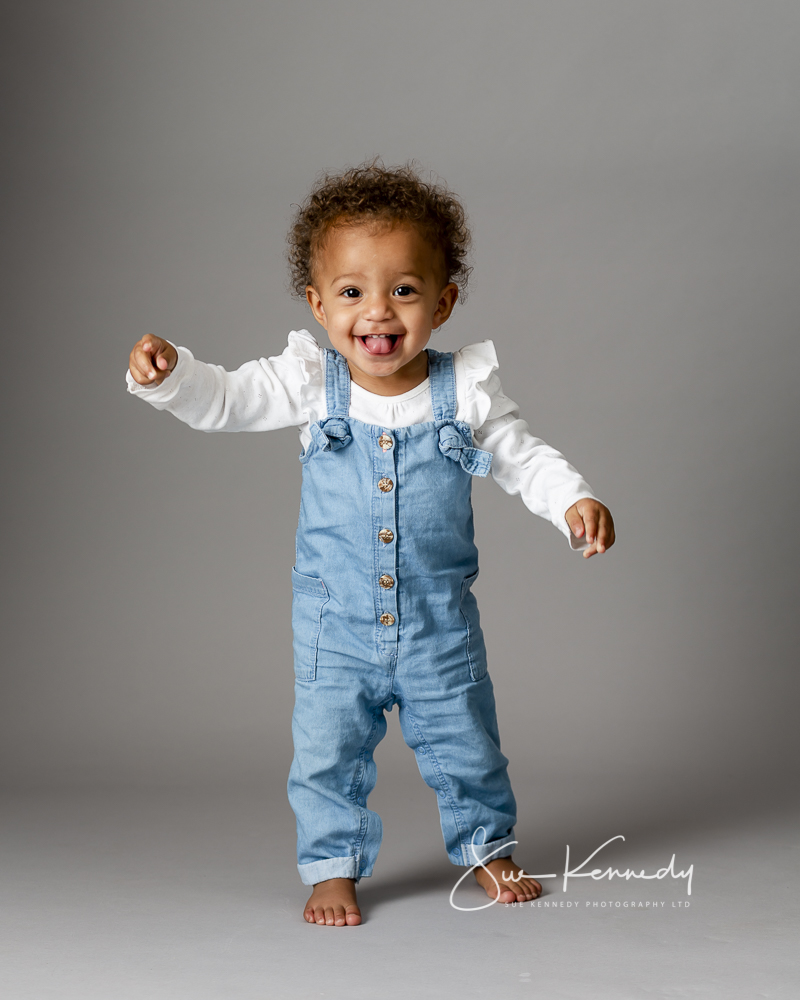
(450, 722)
(338, 721)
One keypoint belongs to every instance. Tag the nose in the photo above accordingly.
(378, 308)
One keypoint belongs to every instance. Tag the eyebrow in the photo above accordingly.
(358, 274)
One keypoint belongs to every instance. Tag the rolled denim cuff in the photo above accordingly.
(474, 854)
(321, 871)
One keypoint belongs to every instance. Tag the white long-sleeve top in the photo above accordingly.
(289, 391)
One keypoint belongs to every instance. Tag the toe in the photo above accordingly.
(329, 918)
(338, 916)
(319, 915)
(353, 915)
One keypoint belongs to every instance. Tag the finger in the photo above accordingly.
(156, 348)
(605, 535)
(142, 357)
(588, 553)
(602, 534)
(161, 371)
(590, 520)
(575, 521)
(139, 377)
(144, 361)
(139, 368)
(151, 344)
(166, 356)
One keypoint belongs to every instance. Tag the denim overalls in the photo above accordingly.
(383, 614)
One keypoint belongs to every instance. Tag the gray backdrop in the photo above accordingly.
(631, 172)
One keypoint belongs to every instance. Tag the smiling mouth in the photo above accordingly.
(382, 343)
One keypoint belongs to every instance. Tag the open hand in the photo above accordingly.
(151, 360)
(594, 519)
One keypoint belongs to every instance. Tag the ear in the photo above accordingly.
(313, 299)
(444, 307)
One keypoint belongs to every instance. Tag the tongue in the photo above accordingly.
(378, 345)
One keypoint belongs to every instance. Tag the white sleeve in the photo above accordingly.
(263, 395)
(521, 463)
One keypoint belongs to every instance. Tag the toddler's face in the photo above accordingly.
(378, 292)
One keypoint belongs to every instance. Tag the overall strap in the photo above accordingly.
(442, 374)
(337, 384)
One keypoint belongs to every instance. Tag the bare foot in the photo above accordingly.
(511, 890)
(333, 902)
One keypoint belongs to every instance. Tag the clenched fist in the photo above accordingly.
(151, 360)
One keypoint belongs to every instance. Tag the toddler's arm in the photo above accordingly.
(260, 395)
(525, 465)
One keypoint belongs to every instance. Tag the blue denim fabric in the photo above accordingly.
(360, 648)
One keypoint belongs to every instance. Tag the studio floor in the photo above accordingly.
(172, 894)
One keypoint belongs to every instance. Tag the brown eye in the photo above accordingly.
(351, 293)
(404, 290)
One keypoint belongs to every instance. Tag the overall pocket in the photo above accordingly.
(309, 597)
(476, 650)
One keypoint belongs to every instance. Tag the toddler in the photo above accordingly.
(392, 433)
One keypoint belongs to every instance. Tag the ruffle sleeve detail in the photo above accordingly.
(302, 346)
(475, 367)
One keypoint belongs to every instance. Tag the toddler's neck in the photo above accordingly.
(404, 380)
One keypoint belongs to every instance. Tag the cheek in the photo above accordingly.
(420, 318)
(341, 323)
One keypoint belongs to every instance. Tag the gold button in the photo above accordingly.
(387, 619)
(385, 535)
(386, 582)
(385, 485)
(385, 441)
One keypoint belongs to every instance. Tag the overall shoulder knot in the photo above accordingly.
(455, 443)
(331, 434)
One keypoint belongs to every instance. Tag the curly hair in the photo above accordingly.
(372, 191)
